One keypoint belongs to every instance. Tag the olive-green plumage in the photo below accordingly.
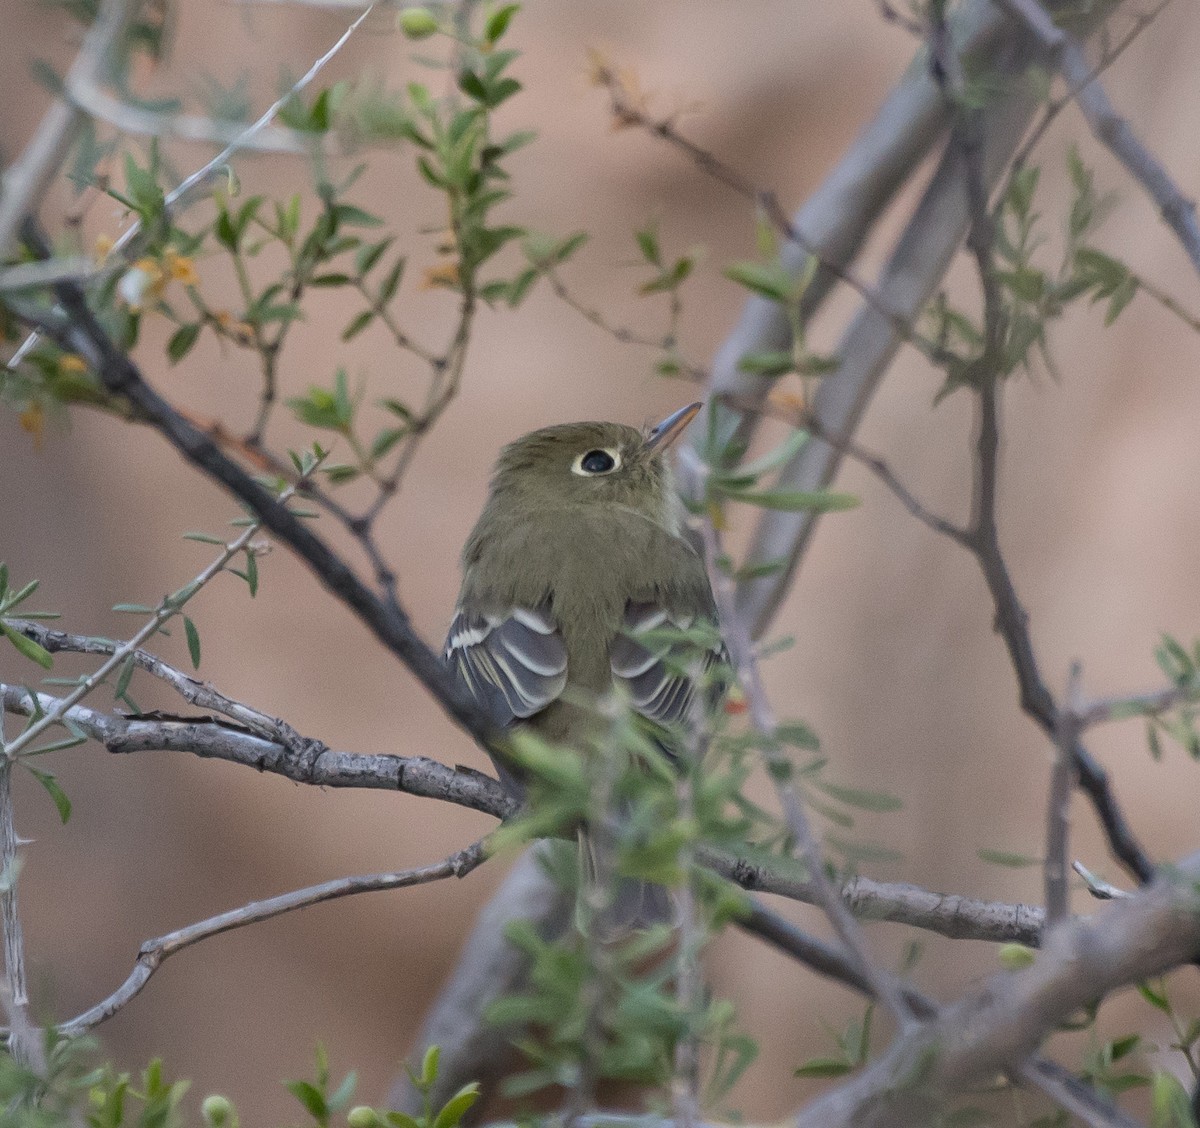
(578, 546)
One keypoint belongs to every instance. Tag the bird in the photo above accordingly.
(579, 548)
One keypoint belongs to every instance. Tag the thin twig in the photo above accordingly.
(24, 184)
(1058, 806)
(153, 952)
(1099, 888)
(1109, 127)
(166, 610)
(745, 662)
(183, 192)
(24, 1038)
(1073, 1095)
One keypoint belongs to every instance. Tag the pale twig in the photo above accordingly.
(34, 275)
(1099, 888)
(1058, 806)
(24, 1038)
(1073, 1095)
(169, 607)
(1001, 1022)
(153, 952)
(24, 184)
(745, 663)
(182, 192)
(1109, 127)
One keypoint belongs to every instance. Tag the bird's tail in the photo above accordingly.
(634, 904)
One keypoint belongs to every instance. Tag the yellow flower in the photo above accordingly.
(444, 274)
(33, 420)
(71, 364)
(181, 267)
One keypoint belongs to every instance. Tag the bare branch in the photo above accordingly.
(153, 952)
(1073, 1095)
(745, 663)
(24, 184)
(1099, 888)
(1058, 807)
(25, 1041)
(998, 1025)
(166, 610)
(1109, 127)
(304, 760)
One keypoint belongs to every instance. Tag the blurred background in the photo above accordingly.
(894, 663)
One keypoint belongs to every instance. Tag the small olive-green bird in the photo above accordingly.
(578, 549)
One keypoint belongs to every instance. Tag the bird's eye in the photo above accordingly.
(596, 462)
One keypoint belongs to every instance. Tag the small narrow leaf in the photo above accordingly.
(55, 791)
(34, 651)
(193, 641)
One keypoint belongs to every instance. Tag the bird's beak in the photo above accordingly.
(666, 432)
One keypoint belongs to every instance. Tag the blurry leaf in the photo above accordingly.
(1005, 858)
(193, 641)
(54, 790)
(34, 651)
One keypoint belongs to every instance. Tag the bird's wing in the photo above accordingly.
(656, 674)
(514, 664)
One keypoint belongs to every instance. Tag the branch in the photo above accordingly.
(308, 761)
(183, 193)
(1109, 127)
(1001, 1023)
(24, 184)
(153, 952)
(385, 618)
(744, 660)
(916, 266)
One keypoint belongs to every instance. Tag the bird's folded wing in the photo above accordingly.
(514, 664)
(656, 674)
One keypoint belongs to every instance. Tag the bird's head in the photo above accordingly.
(595, 463)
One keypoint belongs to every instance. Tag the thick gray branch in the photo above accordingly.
(997, 1027)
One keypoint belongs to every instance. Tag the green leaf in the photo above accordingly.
(497, 23)
(860, 798)
(647, 241)
(392, 282)
(1154, 997)
(193, 641)
(798, 735)
(341, 1096)
(769, 280)
(814, 501)
(824, 1067)
(55, 791)
(429, 1066)
(456, 1107)
(251, 575)
(366, 257)
(358, 324)
(34, 651)
(1007, 858)
(311, 1098)
(181, 341)
(125, 677)
(771, 363)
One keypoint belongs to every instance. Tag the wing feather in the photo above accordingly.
(514, 665)
(651, 673)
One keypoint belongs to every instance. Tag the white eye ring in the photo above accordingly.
(577, 466)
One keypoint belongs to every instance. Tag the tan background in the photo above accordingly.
(895, 663)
